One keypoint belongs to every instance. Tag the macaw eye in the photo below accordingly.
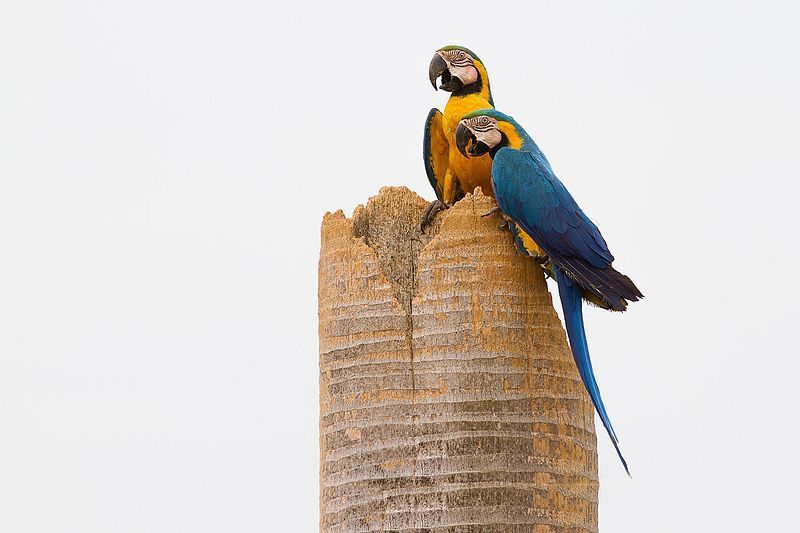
(458, 58)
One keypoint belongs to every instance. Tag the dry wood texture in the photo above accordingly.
(449, 400)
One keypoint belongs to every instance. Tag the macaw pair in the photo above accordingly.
(473, 145)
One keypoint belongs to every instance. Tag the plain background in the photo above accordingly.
(164, 168)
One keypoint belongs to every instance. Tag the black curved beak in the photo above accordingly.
(437, 67)
(463, 136)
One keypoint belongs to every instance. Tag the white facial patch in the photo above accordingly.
(485, 130)
(460, 65)
(467, 75)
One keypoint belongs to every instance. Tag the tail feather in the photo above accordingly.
(612, 286)
(570, 293)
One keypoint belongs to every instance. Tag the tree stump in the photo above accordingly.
(449, 400)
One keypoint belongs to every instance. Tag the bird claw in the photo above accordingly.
(544, 262)
(430, 213)
(506, 219)
(507, 222)
(491, 211)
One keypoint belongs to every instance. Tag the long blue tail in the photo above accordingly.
(571, 302)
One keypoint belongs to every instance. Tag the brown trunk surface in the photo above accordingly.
(449, 400)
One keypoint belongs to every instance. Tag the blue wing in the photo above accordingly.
(528, 191)
(435, 151)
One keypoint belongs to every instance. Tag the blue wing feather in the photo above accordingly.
(528, 191)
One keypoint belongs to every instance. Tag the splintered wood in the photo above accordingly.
(449, 401)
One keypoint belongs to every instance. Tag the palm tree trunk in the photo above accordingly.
(449, 401)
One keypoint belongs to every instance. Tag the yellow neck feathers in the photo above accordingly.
(484, 92)
(514, 139)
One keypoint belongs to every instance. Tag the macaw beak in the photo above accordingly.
(463, 136)
(437, 67)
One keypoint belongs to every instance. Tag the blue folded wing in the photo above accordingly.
(529, 192)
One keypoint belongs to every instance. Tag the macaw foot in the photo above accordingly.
(430, 213)
(491, 211)
(507, 221)
(544, 262)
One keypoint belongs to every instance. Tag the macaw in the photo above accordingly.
(529, 193)
(451, 174)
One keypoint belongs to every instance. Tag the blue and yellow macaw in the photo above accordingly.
(452, 174)
(529, 193)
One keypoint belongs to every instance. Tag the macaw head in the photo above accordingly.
(458, 68)
(485, 131)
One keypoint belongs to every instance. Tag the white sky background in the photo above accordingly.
(164, 167)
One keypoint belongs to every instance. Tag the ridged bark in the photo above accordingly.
(449, 400)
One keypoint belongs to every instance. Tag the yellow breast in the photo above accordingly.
(471, 172)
